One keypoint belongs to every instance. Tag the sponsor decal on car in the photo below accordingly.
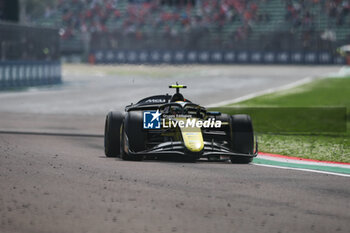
(191, 123)
(152, 120)
(156, 101)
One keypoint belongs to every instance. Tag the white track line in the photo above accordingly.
(263, 92)
(302, 169)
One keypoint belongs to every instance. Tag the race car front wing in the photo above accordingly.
(178, 148)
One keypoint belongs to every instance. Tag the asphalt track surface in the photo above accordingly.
(54, 176)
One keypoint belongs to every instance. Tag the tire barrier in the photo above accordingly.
(213, 57)
(16, 74)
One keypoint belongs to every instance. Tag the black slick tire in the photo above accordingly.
(242, 138)
(136, 136)
(112, 133)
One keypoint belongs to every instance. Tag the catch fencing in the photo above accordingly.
(213, 57)
(16, 74)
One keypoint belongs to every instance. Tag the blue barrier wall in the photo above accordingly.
(214, 57)
(15, 74)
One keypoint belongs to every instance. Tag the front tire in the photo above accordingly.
(112, 133)
(133, 136)
(242, 138)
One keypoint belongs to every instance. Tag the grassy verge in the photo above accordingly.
(320, 146)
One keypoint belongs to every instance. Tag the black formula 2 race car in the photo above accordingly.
(170, 125)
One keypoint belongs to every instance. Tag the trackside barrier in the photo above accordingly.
(214, 57)
(15, 74)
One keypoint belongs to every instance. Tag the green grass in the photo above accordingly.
(319, 93)
(320, 146)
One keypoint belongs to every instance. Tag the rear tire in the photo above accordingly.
(226, 128)
(242, 138)
(112, 133)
